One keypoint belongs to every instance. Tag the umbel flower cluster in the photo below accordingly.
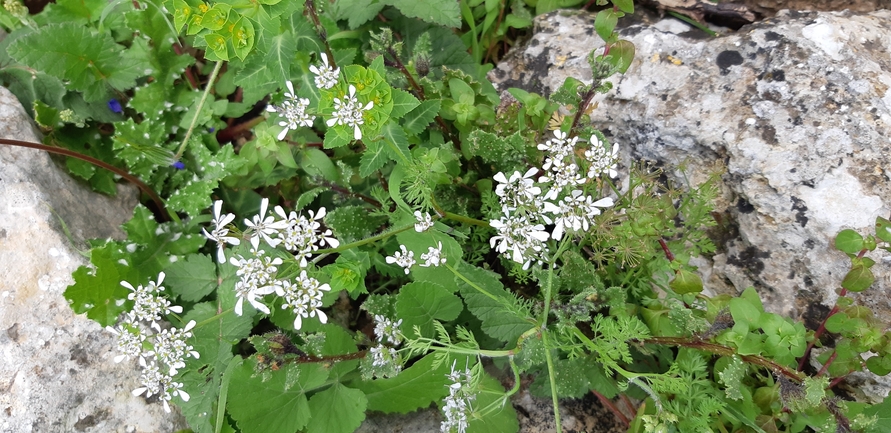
(348, 110)
(384, 361)
(161, 352)
(457, 404)
(299, 234)
(564, 178)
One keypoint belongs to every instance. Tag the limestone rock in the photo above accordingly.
(56, 368)
(797, 107)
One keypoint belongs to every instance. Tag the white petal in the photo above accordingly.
(182, 394)
(322, 317)
(238, 306)
(281, 135)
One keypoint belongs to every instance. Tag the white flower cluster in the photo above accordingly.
(347, 108)
(300, 235)
(406, 259)
(457, 404)
(385, 360)
(161, 354)
(521, 233)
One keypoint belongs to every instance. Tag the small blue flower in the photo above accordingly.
(211, 129)
(115, 106)
(179, 165)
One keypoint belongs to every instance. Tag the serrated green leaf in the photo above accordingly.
(849, 241)
(96, 292)
(498, 309)
(142, 227)
(351, 223)
(193, 278)
(373, 158)
(420, 303)
(445, 13)
(420, 243)
(417, 120)
(337, 409)
(414, 388)
(396, 142)
(356, 12)
(307, 197)
(89, 61)
(277, 404)
(29, 87)
(403, 102)
(281, 53)
(503, 420)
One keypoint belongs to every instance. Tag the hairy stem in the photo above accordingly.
(210, 82)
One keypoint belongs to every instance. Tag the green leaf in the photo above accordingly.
(883, 229)
(142, 226)
(357, 12)
(626, 6)
(416, 121)
(446, 13)
(744, 312)
(373, 158)
(274, 402)
(849, 241)
(403, 102)
(29, 87)
(858, 279)
(605, 23)
(502, 420)
(620, 56)
(317, 163)
(95, 292)
(352, 223)
(396, 142)
(420, 303)
(414, 388)
(281, 53)
(193, 278)
(685, 282)
(89, 61)
(501, 315)
(337, 409)
(731, 374)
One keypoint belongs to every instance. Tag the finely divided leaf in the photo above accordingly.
(414, 388)
(72, 52)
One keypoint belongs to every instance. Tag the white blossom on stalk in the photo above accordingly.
(559, 178)
(518, 190)
(433, 256)
(523, 240)
(220, 234)
(601, 160)
(302, 235)
(263, 226)
(325, 76)
(575, 212)
(171, 348)
(424, 221)
(349, 111)
(387, 330)
(458, 403)
(131, 338)
(558, 147)
(148, 304)
(293, 109)
(405, 258)
(257, 280)
(303, 298)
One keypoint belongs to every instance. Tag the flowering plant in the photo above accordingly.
(347, 217)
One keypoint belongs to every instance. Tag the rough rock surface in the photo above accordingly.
(797, 107)
(56, 368)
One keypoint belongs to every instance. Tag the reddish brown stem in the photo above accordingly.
(613, 408)
(62, 151)
(668, 254)
(828, 362)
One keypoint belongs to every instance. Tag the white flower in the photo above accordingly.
(575, 212)
(433, 256)
(130, 339)
(263, 226)
(405, 259)
(459, 401)
(348, 111)
(566, 175)
(220, 232)
(326, 77)
(303, 235)
(304, 298)
(148, 305)
(424, 221)
(518, 190)
(257, 280)
(601, 160)
(522, 239)
(558, 147)
(387, 330)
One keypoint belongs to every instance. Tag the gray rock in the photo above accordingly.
(56, 368)
(797, 107)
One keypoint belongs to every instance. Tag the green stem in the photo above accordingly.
(552, 377)
(366, 241)
(213, 319)
(547, 302)
(464, 219)
(210, 82)
(468, 351)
